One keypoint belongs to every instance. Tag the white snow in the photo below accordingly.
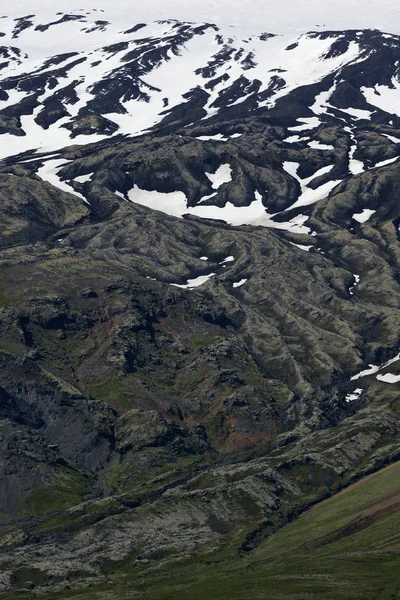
(255, 214)
(216, 137)
(389, 378)
(308, 195)
(302, 66)
(228, 259)
(392, 138)
(371, 371)
(384, 97)
(172, 203)
(43, 140)
(49, 172)
(302, 246)
(203, 257)
(83, 178)
(321, 103)
(307, 123)
(222, 175)
(318, 146)
(383, 163)
(375, 369)
(364, 215)
(291, 15)
(239, 283)
(355, 166)
(291, 168)
(39, 158)
(293, 139)
(219, 137)
(193, 283)
(172, 78)
(356, 282)
(354, 395)
(204, 198)
(357, 113)
(175, 204)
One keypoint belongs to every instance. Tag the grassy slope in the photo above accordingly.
(345, 548)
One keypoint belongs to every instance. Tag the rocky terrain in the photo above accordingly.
(199, 289)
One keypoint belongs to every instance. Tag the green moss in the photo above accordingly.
(6, 281)
(364, 563)
(198, 341)
(87, 513)
(215, 427)
(12, 347)
(70, 489)
(153, 478)
(114, 388)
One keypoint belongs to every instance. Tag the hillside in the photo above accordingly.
(199, 310)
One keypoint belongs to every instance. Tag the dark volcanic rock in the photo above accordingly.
(142, 420)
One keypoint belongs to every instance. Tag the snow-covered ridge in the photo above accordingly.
(287, 16)
(76, 77)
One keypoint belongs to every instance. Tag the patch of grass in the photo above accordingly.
(114, 389)
(12, 347)
(154, 478)
(199, 341)
(70, 489)
(307, 559)
(196, 377)
(215, 427)
(87, 513)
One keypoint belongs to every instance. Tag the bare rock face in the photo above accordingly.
(193, 288)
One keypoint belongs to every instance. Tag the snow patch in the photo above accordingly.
(389, 378)
(171, 203)
(218, 137)
(49, 172)
(222, 175)
(354, 395)
(239, 283)
(308, 195)
(357, 113)
(302, 246)
(293, 139)
(375, 369)
(318, 146)
(308, 123)
(384, 97)
(383, 163)
(371, 371)
(364, 215)
(193, 283)
(392, 138)
(83, 178)
(356, 282)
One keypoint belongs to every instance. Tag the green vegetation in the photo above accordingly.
(199, 341)
(347, 547)
(70, 489)
(151, 479)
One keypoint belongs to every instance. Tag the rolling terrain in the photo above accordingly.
(199, 310)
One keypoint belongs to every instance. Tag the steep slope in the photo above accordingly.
(199, 289)
(343, 547)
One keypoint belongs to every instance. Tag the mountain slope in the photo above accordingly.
(342, 547)
(199, 289)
